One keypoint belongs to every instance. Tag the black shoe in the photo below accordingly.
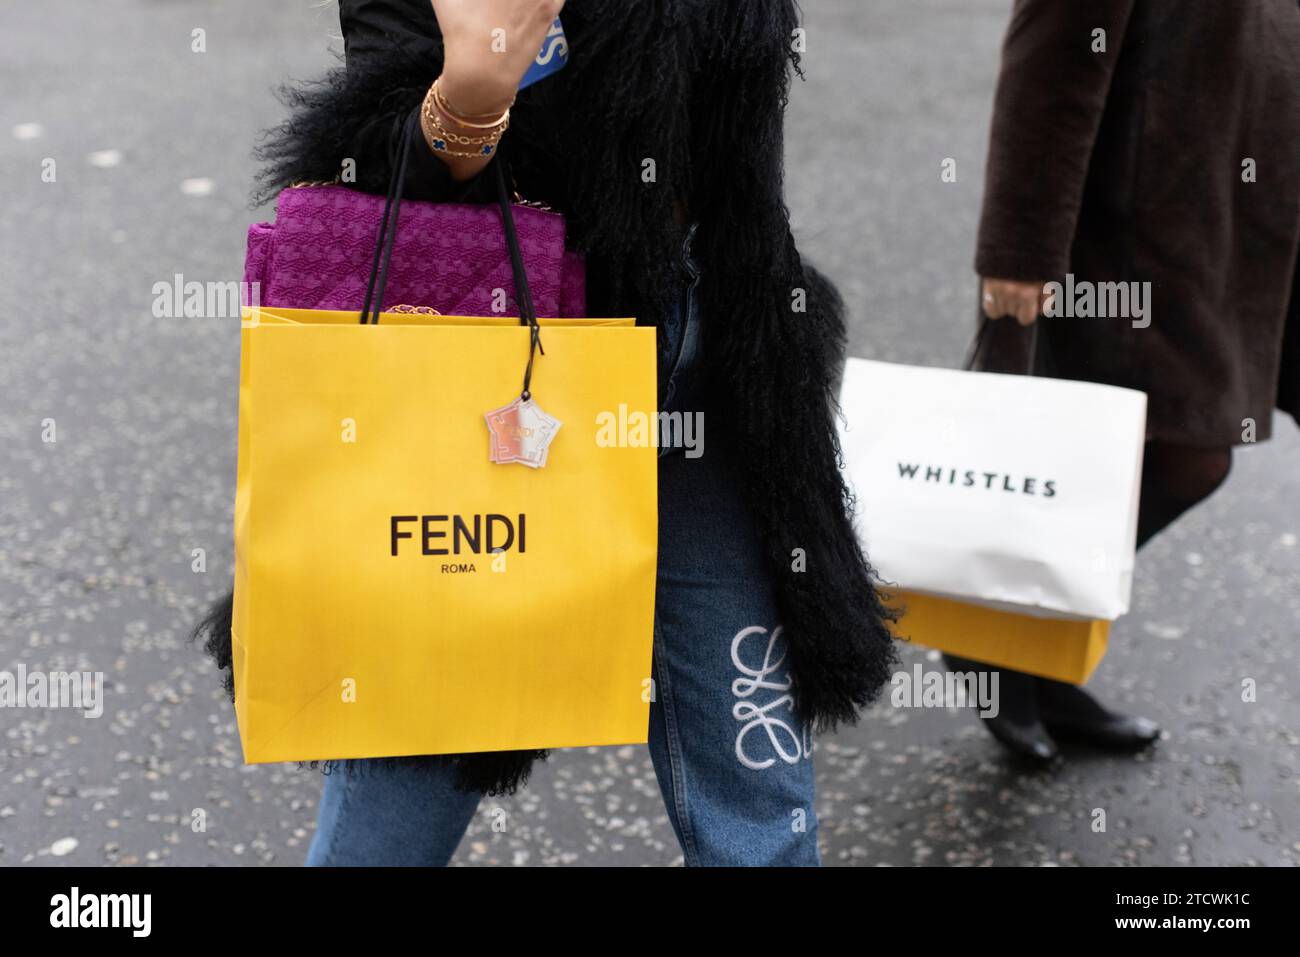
(1017, 725)
(1070, 712)
(1031, 742)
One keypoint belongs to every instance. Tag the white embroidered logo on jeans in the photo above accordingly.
(785, 741)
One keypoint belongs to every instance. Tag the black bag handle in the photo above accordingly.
(387, 239)
(1040, 357)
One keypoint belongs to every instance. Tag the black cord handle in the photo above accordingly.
(1040, 358)
(387, 239)
(387, 230)
(523, 294)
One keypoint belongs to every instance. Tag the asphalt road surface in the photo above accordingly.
(151, 148)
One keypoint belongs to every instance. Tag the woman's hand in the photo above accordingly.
(489, 46)
(1009, 297)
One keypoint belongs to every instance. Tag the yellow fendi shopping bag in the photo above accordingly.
(1067, 650)
(397, 592)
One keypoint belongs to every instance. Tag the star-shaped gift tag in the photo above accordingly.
(521, 432)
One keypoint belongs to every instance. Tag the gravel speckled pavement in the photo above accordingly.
(97, 530)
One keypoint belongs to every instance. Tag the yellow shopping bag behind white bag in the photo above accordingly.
(398, 593)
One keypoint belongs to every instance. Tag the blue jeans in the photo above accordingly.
(733, 761)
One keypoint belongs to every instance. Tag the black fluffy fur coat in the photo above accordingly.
(700, 87)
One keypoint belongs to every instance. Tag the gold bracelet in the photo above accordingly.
(464, 140)
(435, 92)
(432, 110)
(432, 118)
(439, 139)
(433, 128)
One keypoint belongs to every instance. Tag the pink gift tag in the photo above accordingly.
(521, 432)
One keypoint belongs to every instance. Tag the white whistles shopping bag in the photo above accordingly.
(1015, 492)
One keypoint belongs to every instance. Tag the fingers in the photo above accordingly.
(1025, 308)
(1020, 300)
(993, 307)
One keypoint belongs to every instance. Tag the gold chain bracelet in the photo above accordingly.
(441, 140)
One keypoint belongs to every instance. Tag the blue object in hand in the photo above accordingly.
(552, 58)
